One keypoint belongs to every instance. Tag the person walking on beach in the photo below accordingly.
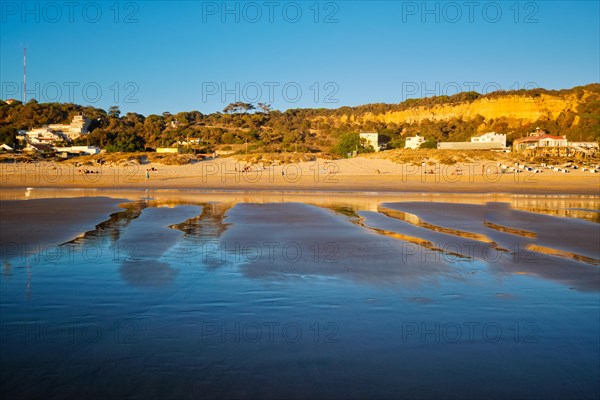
(147, 174)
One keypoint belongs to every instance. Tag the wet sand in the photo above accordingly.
(381, 239)
(509, 241)
(293, 240)
(146, 239)
(361, 267)
(44, 223)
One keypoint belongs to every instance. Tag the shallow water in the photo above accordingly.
(200, 295)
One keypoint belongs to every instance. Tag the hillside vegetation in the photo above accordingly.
(572, 112)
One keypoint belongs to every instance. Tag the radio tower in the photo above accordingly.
(24, 75)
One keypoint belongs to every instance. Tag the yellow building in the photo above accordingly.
(170, 150)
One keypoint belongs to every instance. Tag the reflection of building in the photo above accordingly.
(487, 141)
(414, 142)
(371, 139)
(539, 138)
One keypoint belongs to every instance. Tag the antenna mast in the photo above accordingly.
(24, 75)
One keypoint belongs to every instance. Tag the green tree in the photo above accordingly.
(114, 111)
(8, 135)
(126, 142)
(348, 143)
(428, 144)
(264, 107)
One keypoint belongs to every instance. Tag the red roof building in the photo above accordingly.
(539, 138)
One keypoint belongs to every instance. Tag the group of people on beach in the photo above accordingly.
(87, 171)
(247, 168)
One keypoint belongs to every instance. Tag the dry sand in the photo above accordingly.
(357, 174)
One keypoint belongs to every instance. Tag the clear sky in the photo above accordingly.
(153, 56)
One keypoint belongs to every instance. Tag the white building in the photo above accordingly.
(539, 138)
(43, 136)
(59, 132)
(371, 139)
(584, 145)
(78, 126)
(490, 137)
(91, 150)
(487, 141)
(414, 142)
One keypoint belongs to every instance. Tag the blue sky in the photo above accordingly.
(153, 56)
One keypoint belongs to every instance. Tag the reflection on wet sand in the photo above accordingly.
(209, 224)
(182, 279)
(507, 229)
(362, 256)
(563, 250)
(297, 240)
(30, 227)
(146, 239)
(357, 236)
(359, 219)
(112, 227)
(571, 206)
(561, 253)
(414, 220)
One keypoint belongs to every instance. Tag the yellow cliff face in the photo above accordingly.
(516, 110)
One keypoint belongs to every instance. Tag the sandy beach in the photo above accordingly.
(357, 174)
